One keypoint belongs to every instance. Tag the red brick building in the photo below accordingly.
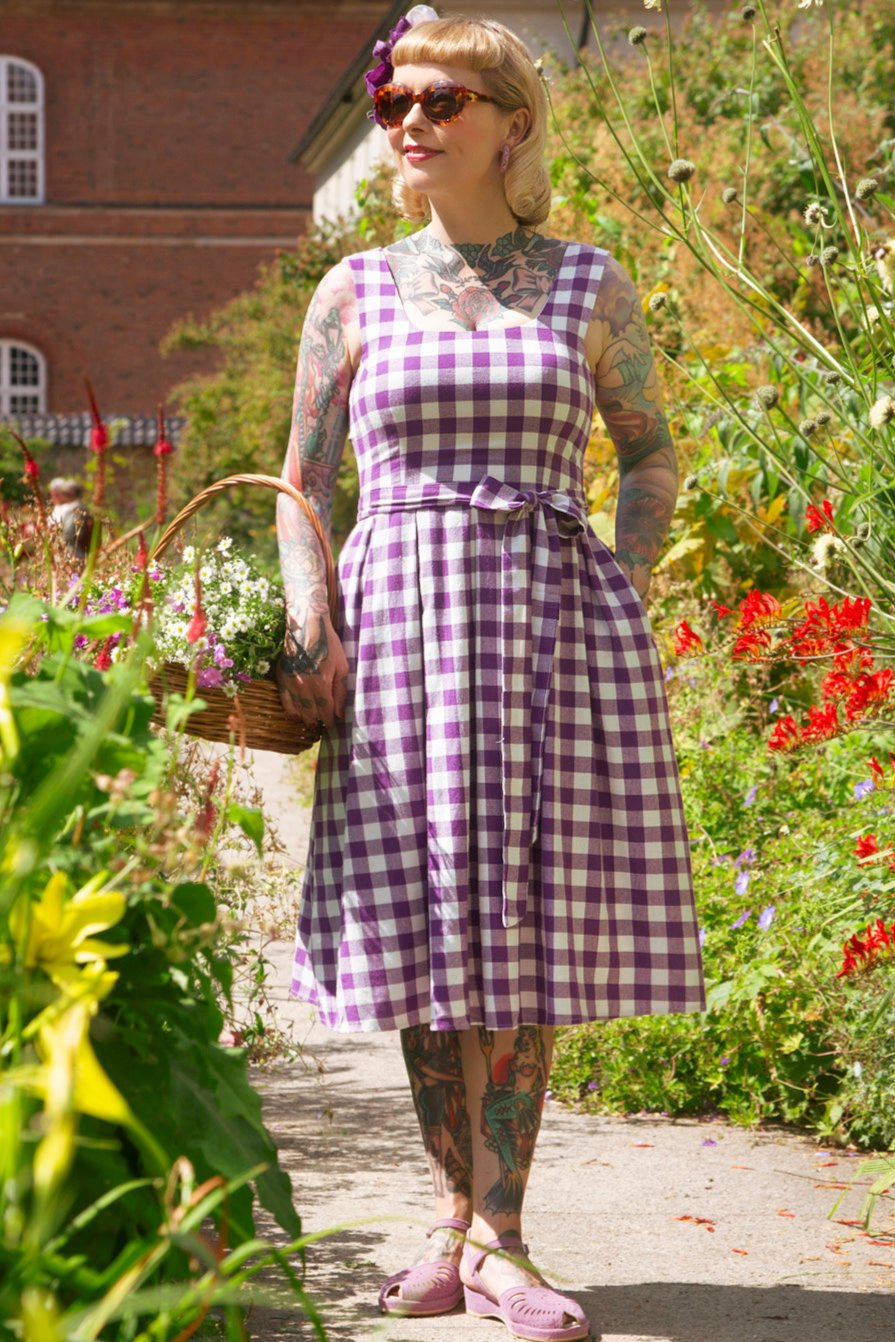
(144, 173)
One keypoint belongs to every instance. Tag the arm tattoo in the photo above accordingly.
(439, 1096)
(511, 1112)
(630, 404)
(473, 285)
(316, 443)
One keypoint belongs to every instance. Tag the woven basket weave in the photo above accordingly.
(255, 715)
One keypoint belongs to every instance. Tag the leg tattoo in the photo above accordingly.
(439, 1096)
(511, 1112)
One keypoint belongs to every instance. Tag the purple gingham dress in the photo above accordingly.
(497, 834)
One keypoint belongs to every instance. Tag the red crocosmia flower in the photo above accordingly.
(851, 659)
(859, 954)
(199, 623)
(823, 723)
(870, 693)
(876, 768)
(197, 626)
(142, 552)
(722, 610)
(819, 521)
(759, 608)
(32, 470)
(754, 644)
(208, 813)
(836, 685)
(865, 848)
(103, 658)
(686, 640)
(785, 735)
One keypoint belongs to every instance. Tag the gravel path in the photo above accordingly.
(666, 1231)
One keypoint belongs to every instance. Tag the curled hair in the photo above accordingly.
(509, 76)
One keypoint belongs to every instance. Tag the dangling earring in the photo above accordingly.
(504, 158)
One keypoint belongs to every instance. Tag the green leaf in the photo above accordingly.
(250, 820)
(195, 901)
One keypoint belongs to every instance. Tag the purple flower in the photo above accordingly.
(774, 705)
(709, 1141)
(745, 858)
(209, 677)
(720, 859)
(669, 673)
(742, 882)
(701, 937)
(750, 796)
(864, 787)
(766, 917)
(81, 640)
(382, 51)
(244, 677)
(742, 918)
(724, 1062)
(704, 745)
(593, 1085)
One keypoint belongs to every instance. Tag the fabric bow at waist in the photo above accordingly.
(530, 595)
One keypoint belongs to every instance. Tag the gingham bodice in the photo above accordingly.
(433, 412)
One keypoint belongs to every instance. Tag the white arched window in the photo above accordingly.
(23, 379)
(21, 132)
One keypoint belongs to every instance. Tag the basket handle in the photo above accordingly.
(266, 482)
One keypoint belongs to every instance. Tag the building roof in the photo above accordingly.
(338, 115)
(74, 430)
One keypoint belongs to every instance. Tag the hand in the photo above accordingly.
(313, 689)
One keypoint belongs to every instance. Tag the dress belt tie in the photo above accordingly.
(530, 595)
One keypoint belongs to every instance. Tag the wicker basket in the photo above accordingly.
(255, 715)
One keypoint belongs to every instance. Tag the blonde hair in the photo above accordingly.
(509, 75)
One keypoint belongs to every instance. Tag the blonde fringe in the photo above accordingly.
(508, 74)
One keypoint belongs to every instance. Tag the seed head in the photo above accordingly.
(748, 12)
(812, 260)
(829, 256)
(691, 482)
(831, 377)
(867, 187)
(813, 214)
(881, 412)
(822, 417)
(826, 547)
(807, 427)
(767, 397)
(657, 301)
(863, 530)
(681, 170)
(636, 36)
(729, 195)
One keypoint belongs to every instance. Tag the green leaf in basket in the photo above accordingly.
(250, 821)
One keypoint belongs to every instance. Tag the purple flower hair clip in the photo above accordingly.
(382, 51)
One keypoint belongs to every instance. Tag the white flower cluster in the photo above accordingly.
(244, 614)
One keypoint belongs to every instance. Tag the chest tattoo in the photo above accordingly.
(471, 286)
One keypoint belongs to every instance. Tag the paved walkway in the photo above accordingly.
(666, 1231)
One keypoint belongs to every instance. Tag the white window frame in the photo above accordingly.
(8, 390)
(6, 152)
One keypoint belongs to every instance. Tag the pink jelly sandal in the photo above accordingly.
(425, 1288)
(536, 1313)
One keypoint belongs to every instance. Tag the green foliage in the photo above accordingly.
(121, 1116)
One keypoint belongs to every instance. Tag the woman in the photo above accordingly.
(498, 844)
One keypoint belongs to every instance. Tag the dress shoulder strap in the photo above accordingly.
(576, 286)
(377, 304)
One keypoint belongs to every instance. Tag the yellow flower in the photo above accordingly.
(61, 927)
(13, 637)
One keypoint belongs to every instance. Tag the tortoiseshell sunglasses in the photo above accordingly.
(442, 103)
